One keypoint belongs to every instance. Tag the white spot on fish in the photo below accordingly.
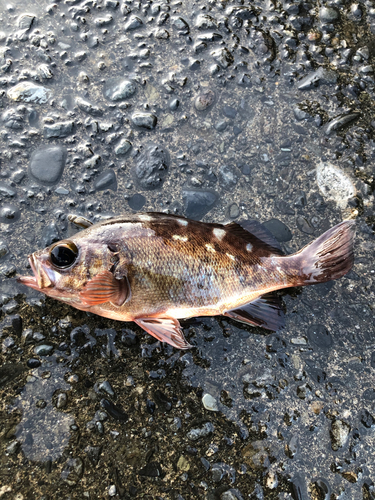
(180, 238)
(144, 217)
(182, 222)
(249, 247)
(230, 256)
(210, 248)
(219, 233)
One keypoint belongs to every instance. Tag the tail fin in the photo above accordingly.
(328, 257)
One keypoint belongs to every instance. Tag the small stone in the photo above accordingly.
(328, 14)
(47, 164)
(144, 120)
(112, 490)
(106, 180)
(339, 434)
(25, 21)
(223, 57)
(200, 432)
(123, 147)
(61, 401)
(104, 387)
(183, 464)
(59, 129)
(204, 100)
(281, 232)
(114, 410)
(133, 23)
(29, 92)
(210, 403)
(340, 122)
(137, 201)
(118, 89)
(152, 166)
(233, 211)
(181, 25)
(88, 108)
(198, 202)
(12, 449)
(3, 249)
(205, 22)
(43, 350)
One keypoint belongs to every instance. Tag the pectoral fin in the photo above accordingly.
(164, 329)
(266, 311)
(104, 287)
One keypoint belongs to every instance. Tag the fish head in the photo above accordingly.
(63, 269)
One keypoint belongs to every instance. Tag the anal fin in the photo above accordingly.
(164, 329)
(266, 312)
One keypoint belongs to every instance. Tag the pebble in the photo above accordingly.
(319, 335)
(233, 211)
(198, 202)
(205, 22)
(58, 129)
(152, 166)
(223, 57)
(321, 75)
(147, 121)
(200, 432)
(133, 23)
(88, 108)
(114, 410)
(62, 400)
(29, 92)
(137, 201)
(104, 386)
(106, 180)
(210, 403)
(339, 434)
(47, 164)
(3, 249)
(334, 184)
(204, 100)
(328, 14)
(118, 89)
(43, 350)
(9, 213)
(281, 232)
(181, 25)
(123, 147)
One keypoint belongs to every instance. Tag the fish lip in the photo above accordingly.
(40, 280)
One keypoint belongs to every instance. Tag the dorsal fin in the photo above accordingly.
(252, 232)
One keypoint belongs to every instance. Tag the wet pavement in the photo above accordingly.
(218, 111)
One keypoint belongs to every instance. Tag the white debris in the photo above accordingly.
(334, 184)
(210, 403)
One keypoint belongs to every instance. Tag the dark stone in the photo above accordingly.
(93, 453)
(284, 208)
(320, 336)
(229, 112)
(147, 121)
(237, 130)
(137, 201)
(228, 176)
(281, 232)
(367, 419)
(9, 213)
(50, 234)
(47, 164)
(304, 225)
(152, 166)
(106, 180)
(164, 404)
(198, 202)
(221, 125)
(151, 406)
(152, 469)
(114, 410)
(33, 363)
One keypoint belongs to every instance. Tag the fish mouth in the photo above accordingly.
(40, 280)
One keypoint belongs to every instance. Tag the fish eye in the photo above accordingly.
(64, 254)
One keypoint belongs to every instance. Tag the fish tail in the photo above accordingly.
(329, 257)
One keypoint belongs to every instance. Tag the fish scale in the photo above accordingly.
(155, 269)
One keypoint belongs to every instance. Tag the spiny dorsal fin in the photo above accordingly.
(266, 311)
(254, 232)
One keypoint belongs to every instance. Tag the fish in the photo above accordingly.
(156, 269)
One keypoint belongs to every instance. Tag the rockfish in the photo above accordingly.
(155, 269)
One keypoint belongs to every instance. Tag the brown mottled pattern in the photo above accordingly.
(165, 272)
